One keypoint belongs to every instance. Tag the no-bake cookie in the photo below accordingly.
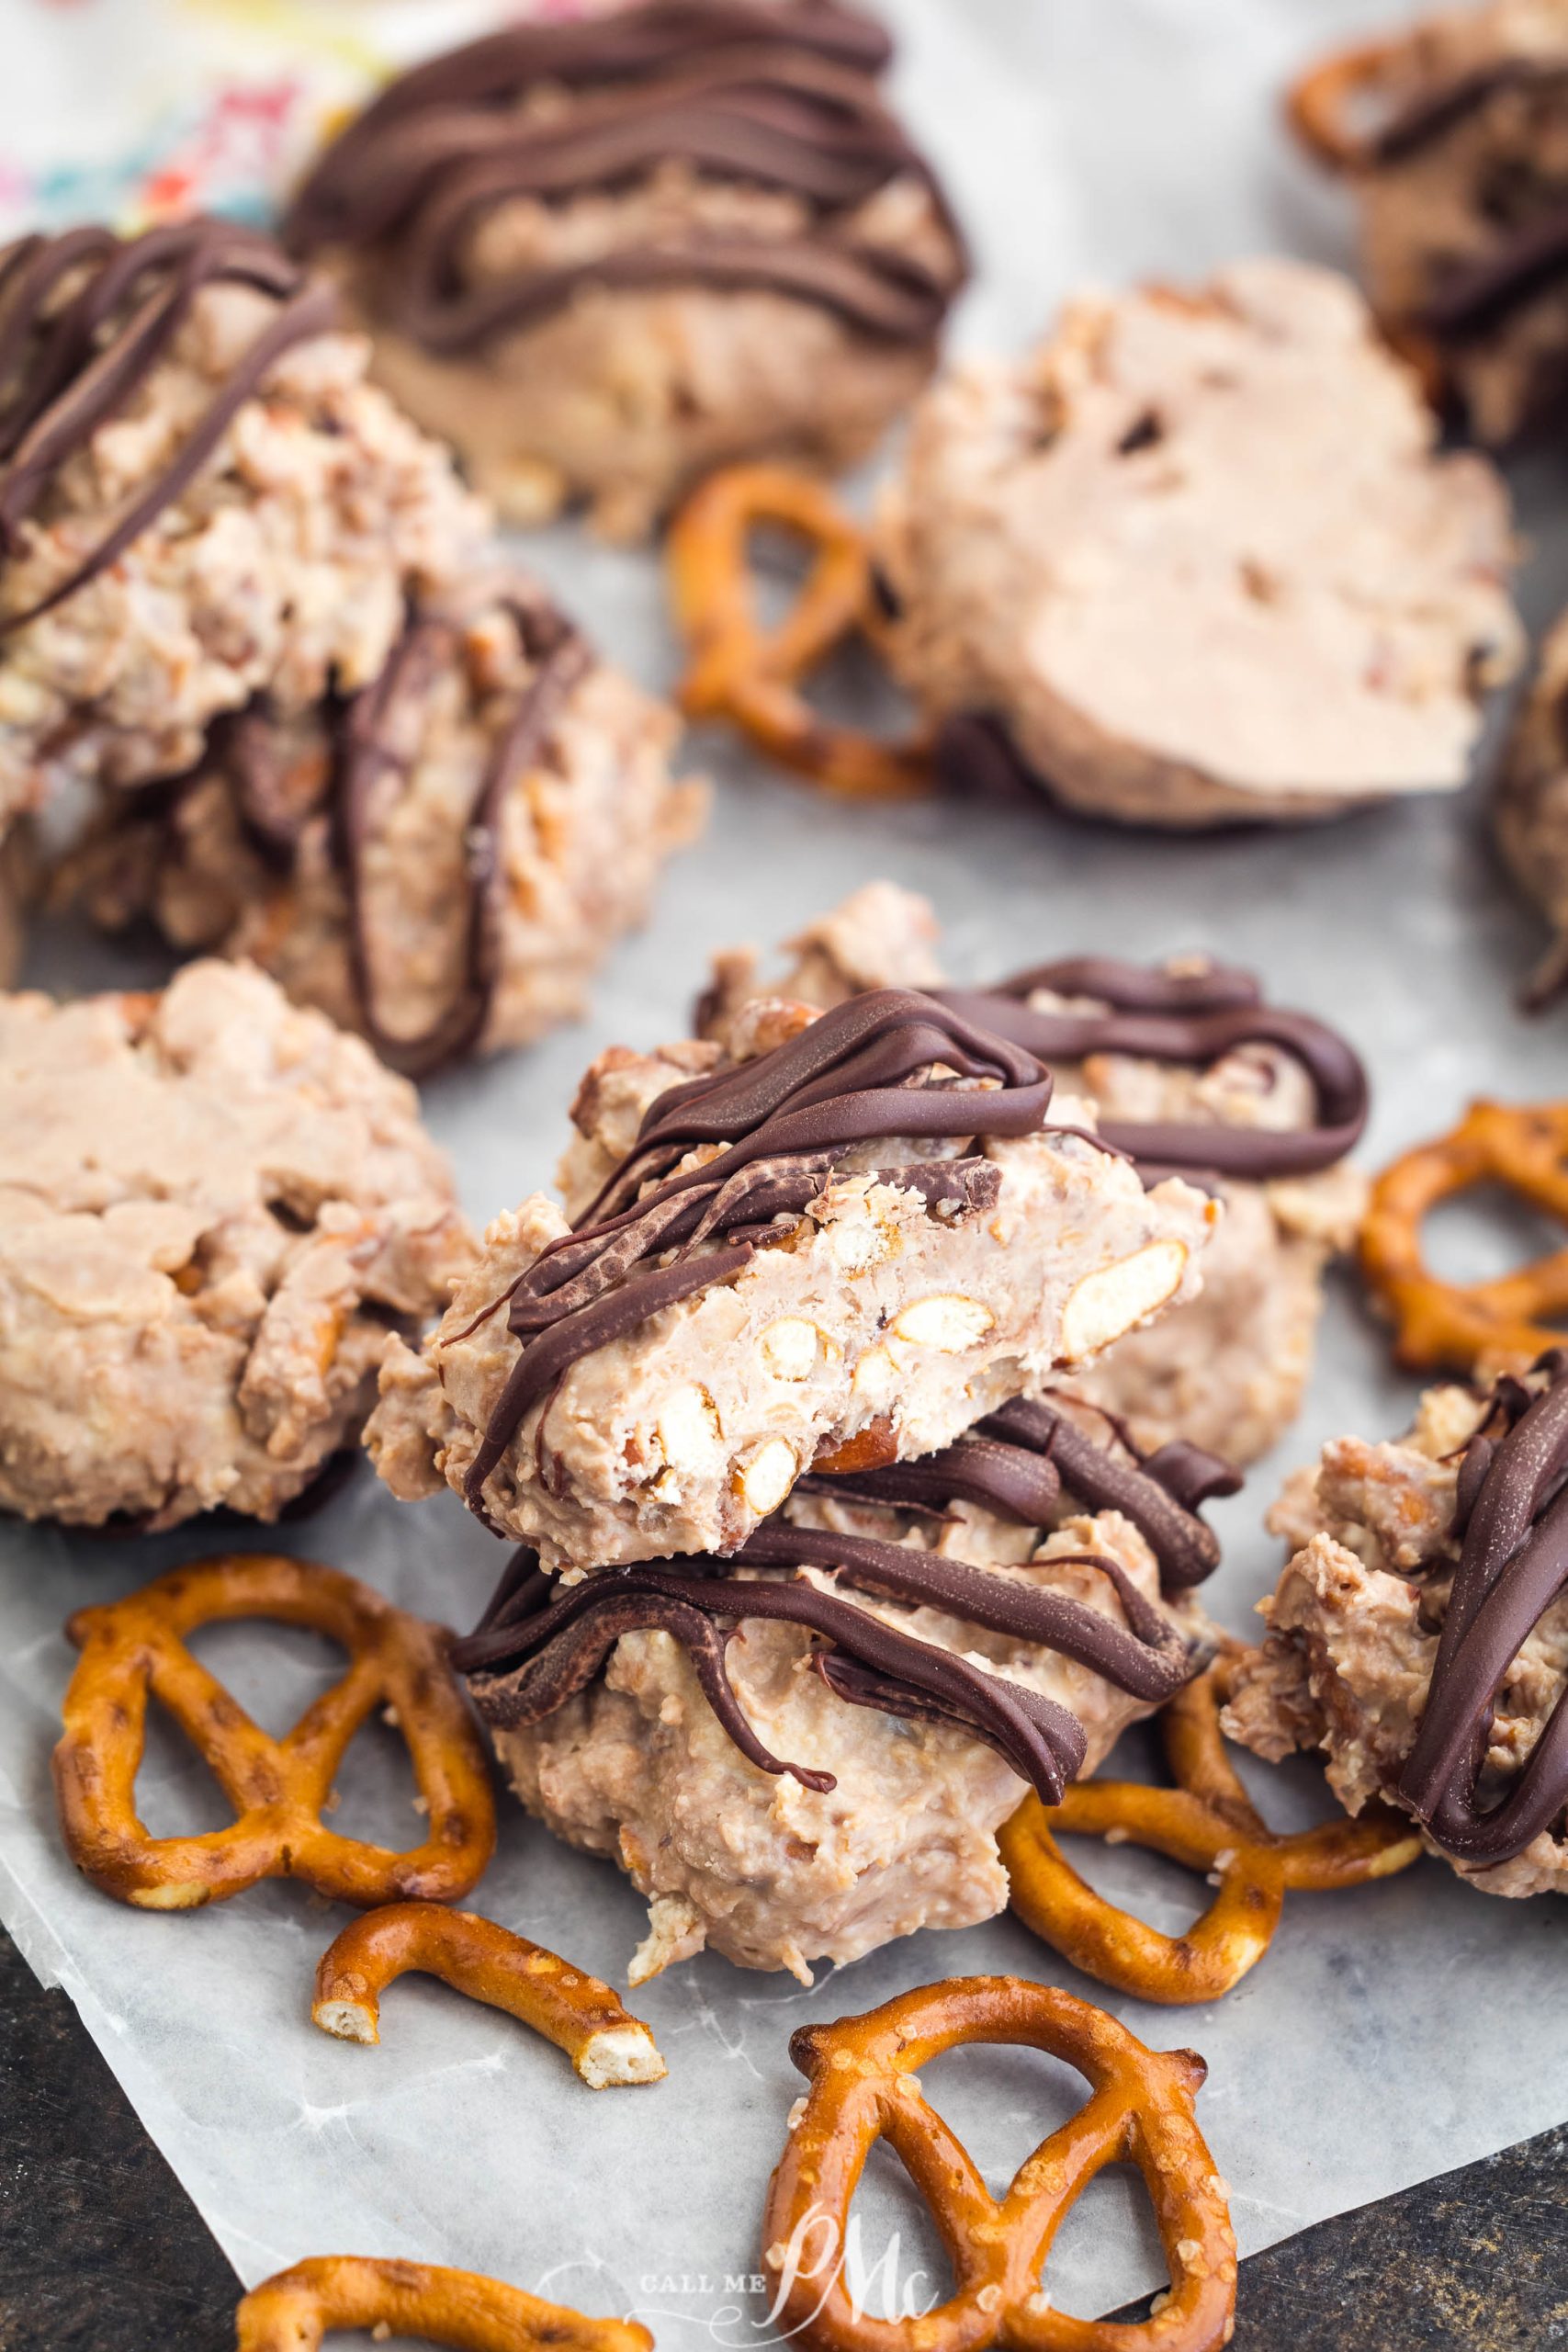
(1189, 1069)
(440, 860)
(806, 1752)
(213, 1209)
(1531, 807)
(604, 255)
(202, 501)
(1419, 1633)
(1199, 560)
(1454, 138)
(841, 1250)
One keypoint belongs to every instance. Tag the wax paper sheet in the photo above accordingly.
(1390, 2033)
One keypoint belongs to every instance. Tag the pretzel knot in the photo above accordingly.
(1455, 1326)
(133, 1650)
(1323, 104)
(750, 675)
(488, 1963)
(295, 2310)
(864, 2087)
(1207, 1823)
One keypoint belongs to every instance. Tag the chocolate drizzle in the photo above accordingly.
(774, 94)
(1193, 1019)
(85, 318)
(1435, 112)
(1529, 256)
(532, 1653)
(363, 732)
(860, 1075)
(1512, 1507)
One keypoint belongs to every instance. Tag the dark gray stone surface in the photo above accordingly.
(101, 2250)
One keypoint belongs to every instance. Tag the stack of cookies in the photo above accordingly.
(823, 1562)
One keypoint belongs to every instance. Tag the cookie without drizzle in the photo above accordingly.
(1197, 559)
(212, 1208)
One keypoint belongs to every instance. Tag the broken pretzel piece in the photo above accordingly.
(750, 675)
(134, 1649)
(1208, 1823)
(1505, 1324)
(297, 2310)
(863, 2073)
(489, 1964)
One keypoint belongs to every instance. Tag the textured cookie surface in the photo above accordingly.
(1459, 179)
(1200, 557)
(606, 255)
(1227, 1369)
(496, 744)
(1356, 1622)
(213, 1207)
(775, 1875)
(280, 564)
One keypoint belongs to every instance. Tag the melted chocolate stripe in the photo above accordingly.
(1513, 1565)
(1436, 112)
(854, 1076)
(1151, 1662)
(1186, 1549)
(530, 1653)
(1041, 1741)
(776, 96)
(1192, 1019)
(1475, 297)
(883, 295)
(361, 731)
(64, 372)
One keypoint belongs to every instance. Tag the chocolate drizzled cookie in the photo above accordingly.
(1511, 1515)
(861, 1075)
(686, 149)
(85, 318)
(535, 1649)
(1188, 1019)
(1453, 137)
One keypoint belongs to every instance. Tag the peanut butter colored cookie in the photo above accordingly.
(1197, 559)
(212, 1209)
(604, 255)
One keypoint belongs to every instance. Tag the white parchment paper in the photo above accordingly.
(1390, 2033)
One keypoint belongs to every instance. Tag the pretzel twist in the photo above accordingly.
(488, 1963)
(1505, 1324)
(863, 2087)
(750, 675)
(134, 1650)
(1320, 103)
(1208, 1825)
(295, 2310)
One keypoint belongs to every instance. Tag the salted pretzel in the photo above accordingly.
(134, 1650)
(1321, 105)
(1208, 1823)
(1505, 1324)
(862, 2073)
(490, 1964)
(750, 675)
(295, 2310)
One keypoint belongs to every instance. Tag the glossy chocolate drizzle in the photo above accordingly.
(776, 93)
(531, 1652)
(363, 732)
(783, 1122)
(1512, 1509)
(1192, 1018)
(85, 318)
(1475, 296)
